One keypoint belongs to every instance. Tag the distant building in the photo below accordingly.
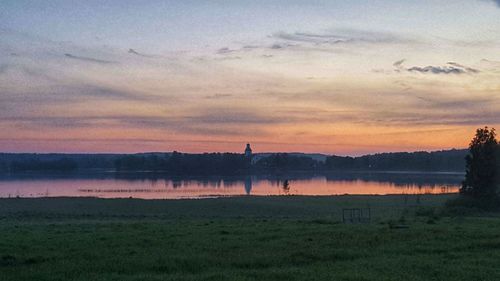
(248, 151)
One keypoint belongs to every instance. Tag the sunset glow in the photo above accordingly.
(342, 77)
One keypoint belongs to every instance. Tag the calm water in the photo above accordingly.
(140, 186)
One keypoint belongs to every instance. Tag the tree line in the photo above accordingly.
(449, 160)
(54, 162)
(233, 163)
(184, 163)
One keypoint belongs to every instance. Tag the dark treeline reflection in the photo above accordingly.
(401, 179)
(398, 178)
(154, 185)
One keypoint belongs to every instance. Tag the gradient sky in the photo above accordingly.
(343, 77)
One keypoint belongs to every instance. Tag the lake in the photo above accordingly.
(147, 186)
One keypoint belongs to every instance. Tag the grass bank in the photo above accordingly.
(243, 238)
(298, 207)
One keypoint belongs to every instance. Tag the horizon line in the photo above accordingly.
(255, 153)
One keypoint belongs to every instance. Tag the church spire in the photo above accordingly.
(248, 151)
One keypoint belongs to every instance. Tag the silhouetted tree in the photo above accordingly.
(481, 165)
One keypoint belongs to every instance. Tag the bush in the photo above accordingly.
(466, 205)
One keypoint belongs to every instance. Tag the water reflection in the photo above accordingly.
(286, 187)
(111, 185)
(248, 185)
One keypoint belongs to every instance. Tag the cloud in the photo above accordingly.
(88, 90)
(325, 41)
(468, 69)
(450, 68)
(222, 100)
(232, 116)
(343, 36)
(461, 119)
(48, 122)
(277, 46)
(496, 2)
(399, 63)
(490, 66)
(437, 70)
(319, 41)
(413, 106)
(310, 37)
(228, 58)
(70, 94)
(89, 59)
(134, 52)
(224, 50)
(496, 63)
(211, 122)
(282, 45)
(224, 54)
(218, 96)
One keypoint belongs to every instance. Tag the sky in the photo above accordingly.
(337, 77)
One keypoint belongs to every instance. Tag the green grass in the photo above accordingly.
(383, 207)
(244, 238)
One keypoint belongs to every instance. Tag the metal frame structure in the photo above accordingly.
(356, 215)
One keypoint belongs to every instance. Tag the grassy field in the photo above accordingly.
(244, 238)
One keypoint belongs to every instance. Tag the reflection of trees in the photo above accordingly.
(286, 186)
(176, 183)
(413, 182)
(420, 181)
(231, 182)
(154, 182)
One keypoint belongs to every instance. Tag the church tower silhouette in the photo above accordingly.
(248, 151)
